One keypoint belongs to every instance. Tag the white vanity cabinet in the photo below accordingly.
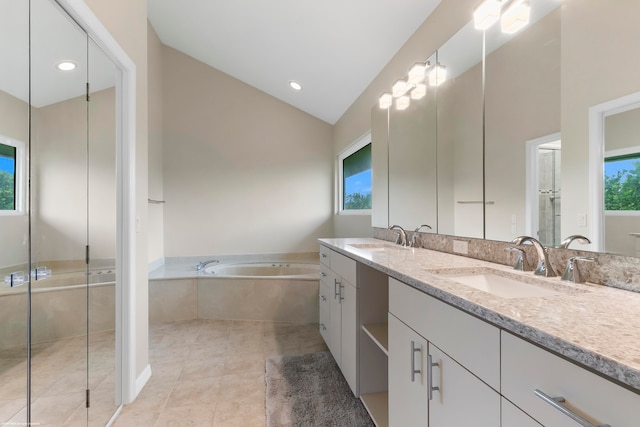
(437, 358)
(408, 392)
(338, 278)
(535, 380)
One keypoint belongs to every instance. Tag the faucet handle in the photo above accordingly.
(570, 272)
(519, 265)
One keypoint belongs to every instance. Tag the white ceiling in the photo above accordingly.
(334, 48)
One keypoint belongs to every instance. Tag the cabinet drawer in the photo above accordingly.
(344, 267)
(325, 256)
(325, 311)
(527, 368)
(514, 417)
(470, 341)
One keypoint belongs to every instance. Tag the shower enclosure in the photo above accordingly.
(58, 272)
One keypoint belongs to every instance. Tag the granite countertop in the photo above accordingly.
(595, 326)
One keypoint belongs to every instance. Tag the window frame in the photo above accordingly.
(20, 176)
(621, 152)
(362, 142)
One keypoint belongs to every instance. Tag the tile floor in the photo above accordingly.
(205, 373)
(59, 381)
(211, 373)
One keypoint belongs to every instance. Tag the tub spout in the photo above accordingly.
(203, 264)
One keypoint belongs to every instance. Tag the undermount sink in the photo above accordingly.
(498, 284)
(369, 246)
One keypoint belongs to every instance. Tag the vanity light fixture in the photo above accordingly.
(515, 17)
(416, 73)
(295, 85)
(419, 91)
(486, 14)
(402, 103)
(437, 75)
(66, 65)
(386, 99)
(399, 88)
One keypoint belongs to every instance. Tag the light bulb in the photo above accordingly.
(403, 102)
(386, 99)
(486, 14)
(399, 88)
(416, 73)
(438, 75)
(515, 17)
(419, 91)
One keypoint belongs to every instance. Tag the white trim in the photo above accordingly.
(531, 182)
(622, 152)
(360, 143)
(621, 213)
(597, 114)
(20, 176)
(142, 379)
(126, 194)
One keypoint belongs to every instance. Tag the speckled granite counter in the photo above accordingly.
(596, 326)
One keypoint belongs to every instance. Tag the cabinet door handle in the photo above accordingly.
(323, 255)
(430, 385)
(414, 371)
(557, 402)
(323, 298)
(323, 274)
(322, 327)
(340, 288)
(336, 292)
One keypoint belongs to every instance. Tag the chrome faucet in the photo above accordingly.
(519, 265)
(402, 235)
(571, 273)
(414, 236)
(203, 264)
(566, 242)
(544, 267)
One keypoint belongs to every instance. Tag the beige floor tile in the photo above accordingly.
(52, 410)
(239, 414)
(196, 392)
(152, 398)
(186, 416)
(203, 368)
(129, 418)
(9, 409)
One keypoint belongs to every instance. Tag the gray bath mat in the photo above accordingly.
(309, 390)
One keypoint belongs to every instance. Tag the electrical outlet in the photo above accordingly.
(461, 247)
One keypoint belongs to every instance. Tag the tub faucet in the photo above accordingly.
(402, 235)
(566, 242)
(203, 264)
(544, 267)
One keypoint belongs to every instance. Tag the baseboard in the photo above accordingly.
(142, 379)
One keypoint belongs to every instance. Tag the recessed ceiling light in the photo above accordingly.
(67, 65)
(295, 85)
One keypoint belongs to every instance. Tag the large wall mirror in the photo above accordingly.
(541, 174)
(57, 211)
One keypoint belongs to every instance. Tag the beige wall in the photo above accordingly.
(243, 172)
(522, 102)
(14, 124)
(445, 21)
(599, 63)
(126, 20)
(156, 185)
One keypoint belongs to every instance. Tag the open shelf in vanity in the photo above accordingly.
(373, 306)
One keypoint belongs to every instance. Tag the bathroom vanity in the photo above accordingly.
(429, 338)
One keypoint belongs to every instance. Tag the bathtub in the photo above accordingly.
(58, 307)
(266, 270)
(243, 287)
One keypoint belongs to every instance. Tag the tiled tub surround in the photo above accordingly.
(177, 291)
(592, 325)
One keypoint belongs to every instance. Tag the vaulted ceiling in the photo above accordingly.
(333, 48)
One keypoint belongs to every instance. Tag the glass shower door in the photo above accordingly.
(14, 210)
(59, 226)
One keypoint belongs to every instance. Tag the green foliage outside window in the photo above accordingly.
(7, 191)
(622, 189)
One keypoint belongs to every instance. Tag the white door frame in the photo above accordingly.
(531, 188)
(597, 114)
(125, 195)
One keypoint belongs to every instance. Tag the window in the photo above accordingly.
(622, 182)
(354, 170)
(11, 176)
